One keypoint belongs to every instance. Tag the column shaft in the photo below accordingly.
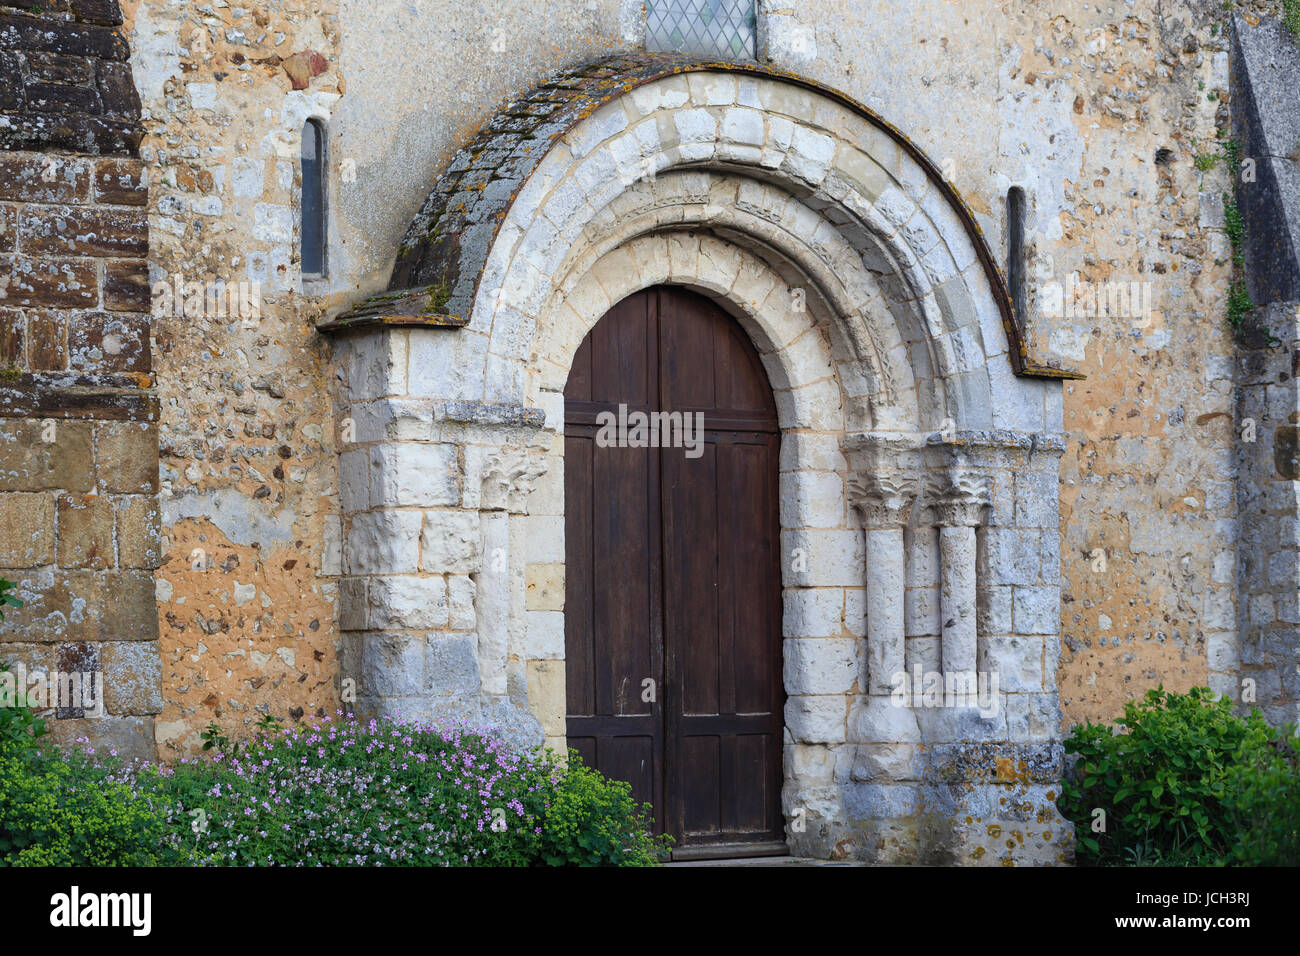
(886, 603)
(957, 598)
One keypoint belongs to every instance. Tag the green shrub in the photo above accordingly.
(1187, 782)
(65, 811)
(592, 821)
(20, 727)
(349, 793)
(1264, 789)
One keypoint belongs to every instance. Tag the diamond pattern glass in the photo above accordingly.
(716, 28)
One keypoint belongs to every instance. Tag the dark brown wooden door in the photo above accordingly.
(672, 604)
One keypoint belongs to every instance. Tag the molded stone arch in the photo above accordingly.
(748, 258)
(791, 344)
(514, 203)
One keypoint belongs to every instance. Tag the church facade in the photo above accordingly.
(805, 414)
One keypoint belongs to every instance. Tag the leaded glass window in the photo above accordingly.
(716, 28)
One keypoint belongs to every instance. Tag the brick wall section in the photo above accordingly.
(79, 520)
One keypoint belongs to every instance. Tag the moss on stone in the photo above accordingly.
(439, 295)
(1291, 16)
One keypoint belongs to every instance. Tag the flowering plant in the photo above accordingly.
(383, 792)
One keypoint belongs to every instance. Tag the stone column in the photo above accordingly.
(883, 503)
(959, 501)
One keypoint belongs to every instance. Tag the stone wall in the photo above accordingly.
(1264, 670)
(1148, 511)
(246, 595)
(79, 522)
(248, 601)
(1266, 122)
(1099, 116)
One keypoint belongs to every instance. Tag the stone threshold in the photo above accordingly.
(767, 861)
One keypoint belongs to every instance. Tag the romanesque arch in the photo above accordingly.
(918, 474)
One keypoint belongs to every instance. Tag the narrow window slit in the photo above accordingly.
(313, 199)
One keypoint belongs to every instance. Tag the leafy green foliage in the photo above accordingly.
(60, 811)
(386, 793)
(1265, 796)
(7, 599)
(1231, 151)
(344, 793)
(1185, 783)
(1235, 227)
(364, 794)
(1239, 303)
(20, 726)
(214, 738)
(592, 821)
(1239, 300)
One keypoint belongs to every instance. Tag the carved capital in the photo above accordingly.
(883, 501)
(508, 477)
(958, 498)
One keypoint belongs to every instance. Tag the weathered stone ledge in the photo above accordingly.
(117, 397)
(405, 307)
(983, 438)
(481, 413)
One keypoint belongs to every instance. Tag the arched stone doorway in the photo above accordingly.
(672, 570)
(918, 514)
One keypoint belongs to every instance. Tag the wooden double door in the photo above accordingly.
(672, 597)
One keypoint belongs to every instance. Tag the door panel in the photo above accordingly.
(672, 601)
